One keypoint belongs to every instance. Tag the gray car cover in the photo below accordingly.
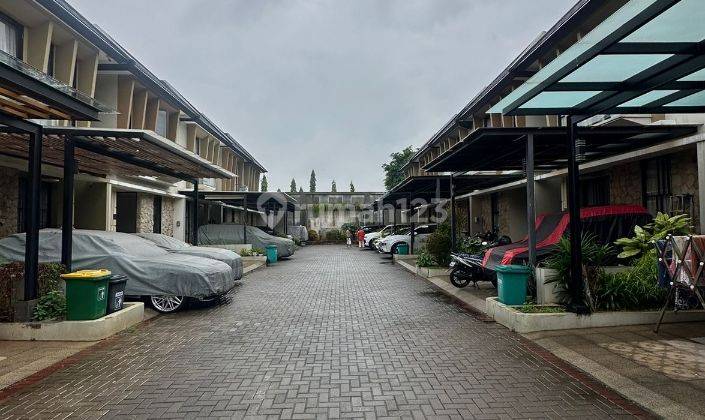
(298, 232)
(231, 233)
(150, 270)
(180, 247)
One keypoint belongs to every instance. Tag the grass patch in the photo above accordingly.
(540, 309)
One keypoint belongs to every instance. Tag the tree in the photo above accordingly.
(279, 190)
(333, 187)
(264, 185)
(292, 188)
(312, 182)
(301, 189)
(393, 170)
(352, 187)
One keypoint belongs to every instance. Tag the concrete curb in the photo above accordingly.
(93, 330)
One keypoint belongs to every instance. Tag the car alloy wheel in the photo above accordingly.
(167, 304)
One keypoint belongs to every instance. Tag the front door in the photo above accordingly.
(126, 212)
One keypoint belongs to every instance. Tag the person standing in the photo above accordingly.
(360, 238)
(348, 238)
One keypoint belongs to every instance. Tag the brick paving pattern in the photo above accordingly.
(331, 333)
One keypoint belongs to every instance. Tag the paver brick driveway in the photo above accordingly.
(333, 332)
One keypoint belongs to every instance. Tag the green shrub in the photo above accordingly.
(313, 236)
(644, 237)
(438, 245)
(594, 255)
(634, 289)
(335, 235)
(257, 251)
(472, 245)
(49, 282)
(424, 259)
(52, 305)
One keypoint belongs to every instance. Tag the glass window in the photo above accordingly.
(656, 184)
(595, 191)
(698, 76)
(10, 36)
(161, 123)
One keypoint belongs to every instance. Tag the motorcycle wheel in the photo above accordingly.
(458, 281)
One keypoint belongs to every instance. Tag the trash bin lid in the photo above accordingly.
(117, 278)
(87, 274)
(518, 269)
(271, 246)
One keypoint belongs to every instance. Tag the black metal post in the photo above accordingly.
(394, 209)
(453, 233)
(244, 220)
(67, 210)
(194, 232)
(530, 200)
(32, 188)
(438, 198)
(576, 258)
(286, 221)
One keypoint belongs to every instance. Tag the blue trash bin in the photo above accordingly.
(271, 251)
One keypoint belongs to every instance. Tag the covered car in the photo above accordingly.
(165, 277)
(232, 234)
(300, 233)
(174, 245)
(607, 223)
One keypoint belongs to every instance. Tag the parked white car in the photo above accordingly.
(372, 237)
(389, 244)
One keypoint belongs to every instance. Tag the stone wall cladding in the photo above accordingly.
(145, 213)
(684, 179)
(9, 185)
(503, 202)
(168, 215)
(625, 184)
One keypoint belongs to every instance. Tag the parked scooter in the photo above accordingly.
(466, 268)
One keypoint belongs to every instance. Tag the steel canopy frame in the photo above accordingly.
(655, 42)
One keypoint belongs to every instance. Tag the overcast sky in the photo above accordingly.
(334, 86)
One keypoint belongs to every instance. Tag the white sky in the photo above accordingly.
(334, 86)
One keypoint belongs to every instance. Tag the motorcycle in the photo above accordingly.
(466, 268)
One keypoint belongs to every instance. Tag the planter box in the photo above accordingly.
(520, 322)
(232, 247)
(429, 272)
(250, 264)
(548, 293)
(408, 258)
(93, 330)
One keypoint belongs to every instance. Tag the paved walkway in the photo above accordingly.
(333, 332)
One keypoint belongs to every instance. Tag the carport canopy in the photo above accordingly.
(646, 57)
(115, 151)
(504, 149)
(261, 201)
(416, 190)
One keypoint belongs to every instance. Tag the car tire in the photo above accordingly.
(393, 250)
(167, 304)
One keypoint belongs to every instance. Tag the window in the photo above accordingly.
(10, 36)
(45, 205)
(161, 123)
(51, 66)
(656, 184)
(157, 214)
(494, 205)
(595, 191)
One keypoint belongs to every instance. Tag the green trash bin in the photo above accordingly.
(512, 281)
(403, 249)
(271, 254)
(86, 294)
